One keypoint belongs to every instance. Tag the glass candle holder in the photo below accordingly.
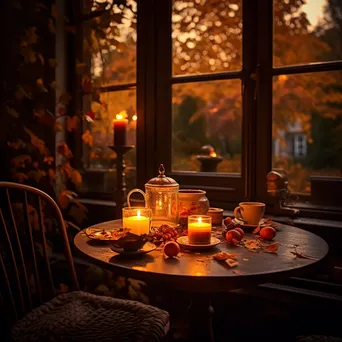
(199, 229)
(138, 220)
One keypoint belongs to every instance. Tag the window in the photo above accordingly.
(250, 86)
(109, 89)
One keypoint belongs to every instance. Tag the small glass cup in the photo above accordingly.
(138, 220)
(199, 229)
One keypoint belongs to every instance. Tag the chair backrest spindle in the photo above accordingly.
(19, 265)
(20, 251)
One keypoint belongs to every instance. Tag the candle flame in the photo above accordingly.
(200, 220)
(121, 115)
(134, 118)
(138, 213)
(213, 154)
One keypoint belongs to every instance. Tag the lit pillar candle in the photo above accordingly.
(137, 224)
(120, 130)
(199, 229)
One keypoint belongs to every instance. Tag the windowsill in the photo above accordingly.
(302, 221)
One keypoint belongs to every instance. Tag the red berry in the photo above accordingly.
(267, 233)
(228, 220)
(240, 230)
(171, 249)
(233, 235)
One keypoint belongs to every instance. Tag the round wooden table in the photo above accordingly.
(199, 274)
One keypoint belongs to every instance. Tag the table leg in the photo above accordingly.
(200, 323)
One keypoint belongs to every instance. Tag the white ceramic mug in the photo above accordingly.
(250, 212)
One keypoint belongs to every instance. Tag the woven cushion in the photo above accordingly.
(81, 316)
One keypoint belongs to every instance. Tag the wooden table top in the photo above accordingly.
(196, 271)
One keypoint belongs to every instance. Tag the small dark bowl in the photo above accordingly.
(131, 242)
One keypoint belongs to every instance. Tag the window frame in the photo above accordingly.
(266, 72)
(154, 105)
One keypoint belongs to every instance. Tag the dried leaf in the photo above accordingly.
(224, 256)
(231, 262)
(238, 272)
(256, 230)
(251, 244)
(273, 248)
(235, 242)
(302, 256)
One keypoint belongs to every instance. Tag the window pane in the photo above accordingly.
(98, 135)
(307, 126)
(307, 31)
(109, 44)
(207, 36)
(207, 113)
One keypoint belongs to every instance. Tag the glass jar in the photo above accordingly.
(161, 196)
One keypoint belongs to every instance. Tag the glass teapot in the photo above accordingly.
(161, 196)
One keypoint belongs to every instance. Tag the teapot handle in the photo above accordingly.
(131, 192)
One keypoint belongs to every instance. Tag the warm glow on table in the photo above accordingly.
(199, 231)
(138, 224)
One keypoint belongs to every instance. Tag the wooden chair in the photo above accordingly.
(28, 298)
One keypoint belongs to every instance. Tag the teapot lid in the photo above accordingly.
(162, 180)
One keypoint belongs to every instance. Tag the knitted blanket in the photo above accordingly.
(81, 316)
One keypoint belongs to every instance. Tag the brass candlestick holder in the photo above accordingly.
(121, 187)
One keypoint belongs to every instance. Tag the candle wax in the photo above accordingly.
(120, 132)
(138, 224)
(199, 233)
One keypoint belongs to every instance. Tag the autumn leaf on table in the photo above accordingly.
(224, 256)
(252, 245)
(256, 230)
(272, 248)
(231, 263)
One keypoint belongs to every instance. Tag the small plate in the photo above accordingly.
(147, 248)
(184, 242)
(242, 224)
(105, 234)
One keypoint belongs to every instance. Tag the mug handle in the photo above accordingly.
(133, 191)
(237, 213)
